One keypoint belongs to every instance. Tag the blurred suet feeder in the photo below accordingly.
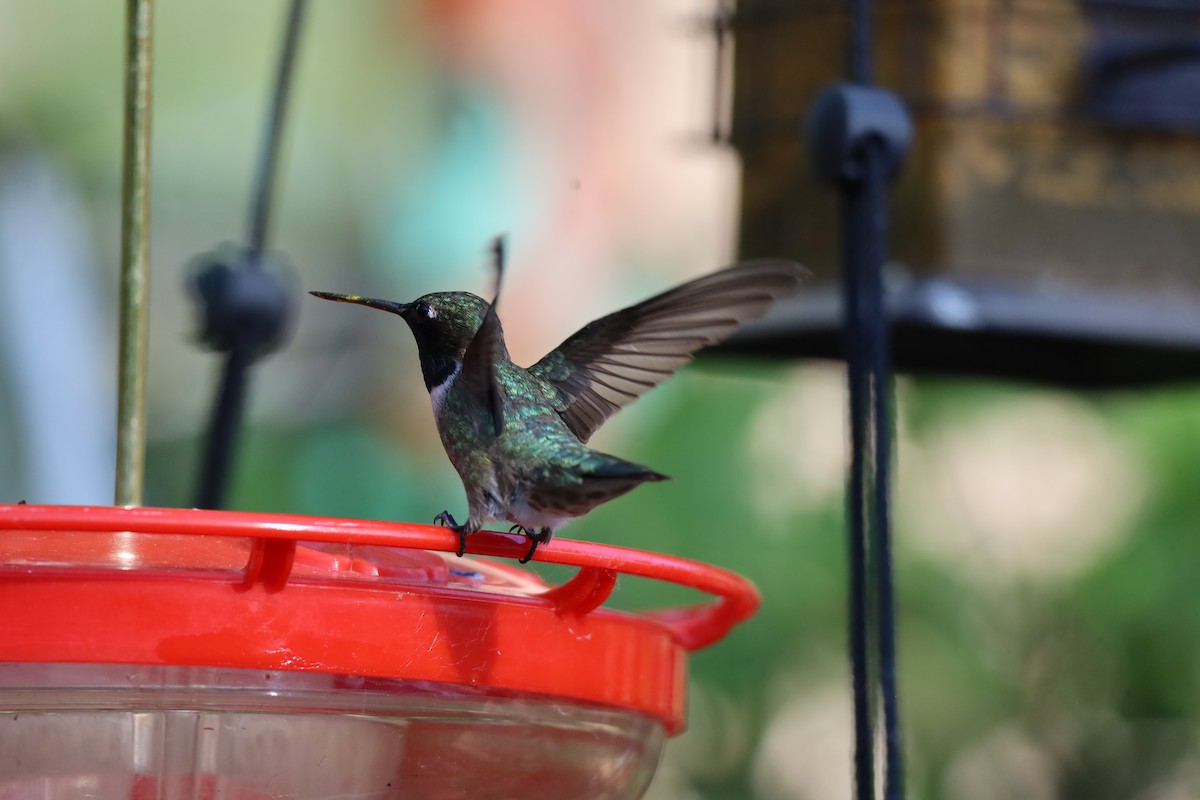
(1047, 223)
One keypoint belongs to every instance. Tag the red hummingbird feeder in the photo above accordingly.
(168, 653)
(187, 654)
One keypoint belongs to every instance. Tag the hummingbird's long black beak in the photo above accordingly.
(382, 305)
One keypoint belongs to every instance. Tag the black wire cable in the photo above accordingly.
(872, 614)
(264, 185)
(860, 66)
(246, 305)
(866, 336)
(883, 428)
(223, 427)
(856, 491)
(868, 513)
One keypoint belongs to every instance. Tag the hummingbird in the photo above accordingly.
(517, 436)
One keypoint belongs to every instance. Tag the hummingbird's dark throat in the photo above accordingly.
(437, 370)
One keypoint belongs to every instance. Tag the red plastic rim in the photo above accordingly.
(263, 591)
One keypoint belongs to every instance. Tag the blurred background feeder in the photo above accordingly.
(145, 657)
(1047, 221)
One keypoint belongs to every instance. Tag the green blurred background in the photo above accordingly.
(1046, 554)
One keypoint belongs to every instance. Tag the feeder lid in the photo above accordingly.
(354, 597)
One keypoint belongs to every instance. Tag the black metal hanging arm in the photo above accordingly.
(858, 137)
(246, 301)
(264, 184)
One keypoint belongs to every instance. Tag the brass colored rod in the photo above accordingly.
(135, 250)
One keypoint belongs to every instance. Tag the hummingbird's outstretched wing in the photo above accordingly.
(478, 374)
(614, 360)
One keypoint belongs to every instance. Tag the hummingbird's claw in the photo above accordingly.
(446, 519)
(540, 537)
(533, 543)
(534, 540)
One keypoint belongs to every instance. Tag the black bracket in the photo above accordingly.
(843, 119)
(245, 301)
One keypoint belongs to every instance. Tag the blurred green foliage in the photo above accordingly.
(1083, 684)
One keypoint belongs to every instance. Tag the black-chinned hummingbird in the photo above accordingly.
(517, 435)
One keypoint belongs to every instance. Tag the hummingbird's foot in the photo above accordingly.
(541, 537)
(446, 519)
(533, 538)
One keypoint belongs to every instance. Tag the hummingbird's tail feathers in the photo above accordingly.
(640, 474)
(602, 466)
(478, 374)
(597, 480)
(614, 360)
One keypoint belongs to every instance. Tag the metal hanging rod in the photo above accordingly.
(135, 255)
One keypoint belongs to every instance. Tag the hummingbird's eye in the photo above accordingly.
(425, 310)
